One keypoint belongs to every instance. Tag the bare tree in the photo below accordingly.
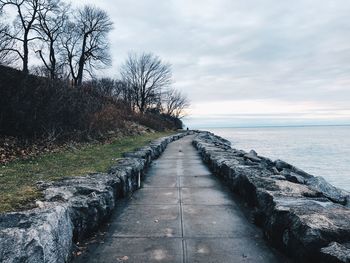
(108, 87)
(51, 24)
(85, 42)
(27, 14)
(175, 103)
(146, 76)
(6, 43)
(121, 89)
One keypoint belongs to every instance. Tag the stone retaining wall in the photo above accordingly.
(300, 214)
(73, 208)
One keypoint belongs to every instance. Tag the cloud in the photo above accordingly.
(288, 52)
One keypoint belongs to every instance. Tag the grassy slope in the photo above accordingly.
(18, 178)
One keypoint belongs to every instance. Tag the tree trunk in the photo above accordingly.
(75, 82)
(25, 53)
(81, 62)
(53, 61)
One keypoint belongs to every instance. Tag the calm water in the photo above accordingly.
(321, 151)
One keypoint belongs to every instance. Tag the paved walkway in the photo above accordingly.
(182, 214)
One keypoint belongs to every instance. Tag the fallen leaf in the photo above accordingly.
(125, 258)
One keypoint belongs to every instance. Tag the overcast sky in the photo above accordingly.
(244, 62)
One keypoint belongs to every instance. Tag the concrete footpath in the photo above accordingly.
(182, 214)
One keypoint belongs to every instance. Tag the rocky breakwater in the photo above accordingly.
(72, 209)
(300, 214)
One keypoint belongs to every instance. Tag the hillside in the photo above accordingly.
(39, 115)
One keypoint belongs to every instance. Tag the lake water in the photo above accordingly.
(318, 150)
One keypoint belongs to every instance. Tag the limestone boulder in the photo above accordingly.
(39, 235)
(333, 193)
(72, 209)
(336, 253)
(299, 213)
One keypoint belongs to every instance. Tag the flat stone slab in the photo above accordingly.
(215, 221)
(160, 181)
(228, 250)
(136, 250)
(177, 155)
(146, 221)
(205, 196)
(158, 167)
(195, 171)
(159, 196)
(162, 161)
(197, 181)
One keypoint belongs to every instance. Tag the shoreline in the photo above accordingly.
(276, 126)
(320, 151)
(302, 215)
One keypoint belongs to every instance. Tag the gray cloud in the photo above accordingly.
(225, 50)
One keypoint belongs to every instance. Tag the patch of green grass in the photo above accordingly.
(18, 178)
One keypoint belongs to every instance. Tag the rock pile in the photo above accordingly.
(300, 214)
(72, 209)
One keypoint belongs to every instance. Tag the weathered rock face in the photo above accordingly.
(39, 235)
(300, 214)
(336, 253)
(333, 193)
(72, 209)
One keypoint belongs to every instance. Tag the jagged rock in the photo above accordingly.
(333, 193)
(73, 209)
(336, 253)
(239, 153)
(142, 153)
(293, 177)
(299, 213)
(130, 172)
(302, 226)
(91, 200)
(278, 177)
(280, 165)
(39, 235)
(275, 171)
(253, 156)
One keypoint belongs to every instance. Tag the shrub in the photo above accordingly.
(36, 107)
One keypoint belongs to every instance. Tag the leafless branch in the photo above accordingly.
(175, 103)
(27, 14)
(85, 42)
(147, 75)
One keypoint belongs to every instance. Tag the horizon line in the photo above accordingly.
(279, 126)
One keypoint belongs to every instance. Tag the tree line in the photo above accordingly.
(66, 40)
(72, 45)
